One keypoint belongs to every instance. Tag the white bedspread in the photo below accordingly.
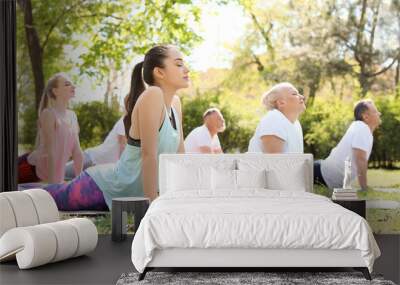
(250, 219)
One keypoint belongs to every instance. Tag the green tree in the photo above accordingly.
(332, 40)
(111, 31)
(357, 26)
(110, 34)
(386, 150)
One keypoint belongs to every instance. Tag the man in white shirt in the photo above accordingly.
(204, 139)
(356, 144)
(279, 131)
(107, 152)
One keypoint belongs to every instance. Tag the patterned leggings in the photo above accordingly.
(82, 193)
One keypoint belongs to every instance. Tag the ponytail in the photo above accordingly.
(45, 101)
(143, 72)
(137, 88)
(48, 92)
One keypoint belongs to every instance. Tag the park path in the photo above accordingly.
(384, 204)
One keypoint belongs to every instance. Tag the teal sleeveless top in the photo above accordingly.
(124, 178)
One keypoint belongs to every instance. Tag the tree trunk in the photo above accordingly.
(397, 79)
(364, 82)
(35, 51)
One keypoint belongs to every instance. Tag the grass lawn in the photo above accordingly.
(384, 178)
(384, 221)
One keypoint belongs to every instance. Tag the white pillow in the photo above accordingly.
(183, 177)
(223, 179)
(251, 178)
(282, 173)
(282, 180)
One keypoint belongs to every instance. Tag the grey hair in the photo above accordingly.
(272, 95)
(210, 111)
(360, 108)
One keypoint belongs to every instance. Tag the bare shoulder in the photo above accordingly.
(176, 102)
(152, 92)
(47, 119)
(47, 115)
(152, 96)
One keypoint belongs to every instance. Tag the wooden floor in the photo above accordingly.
(110, 259)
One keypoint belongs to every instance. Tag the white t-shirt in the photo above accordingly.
(359, 136)
(199, 137)
(275, 123)
(108, 151)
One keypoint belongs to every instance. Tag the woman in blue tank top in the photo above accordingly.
(153, 125)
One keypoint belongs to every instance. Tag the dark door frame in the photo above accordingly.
(8, 97)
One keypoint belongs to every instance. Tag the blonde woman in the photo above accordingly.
(57, 139)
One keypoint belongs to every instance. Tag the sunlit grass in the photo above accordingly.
(102, 222)
(384, 178)
(384, 221)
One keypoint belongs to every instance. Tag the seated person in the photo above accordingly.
(356, 144)
(279, 131)
(108, 152)
(204, 139)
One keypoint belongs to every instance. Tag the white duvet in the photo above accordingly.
(250, 219)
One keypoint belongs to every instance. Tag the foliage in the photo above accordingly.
(386, 148)
(96, 38)
(27, 127)
(332, 40)
(324, 123)
(95, 121)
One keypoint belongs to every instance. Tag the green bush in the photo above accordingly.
(386, 150)
(324, 123)
(27, 127)
(96, 120)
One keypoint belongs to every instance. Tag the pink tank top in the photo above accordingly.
(66, 136)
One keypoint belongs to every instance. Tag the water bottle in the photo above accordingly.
(347, 173)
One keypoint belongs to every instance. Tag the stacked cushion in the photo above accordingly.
(31, 232)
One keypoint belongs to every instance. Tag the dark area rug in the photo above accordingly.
(275, 278)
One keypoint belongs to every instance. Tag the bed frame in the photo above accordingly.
(245, 259)
(242, 259)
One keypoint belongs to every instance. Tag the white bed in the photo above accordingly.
(247, 210)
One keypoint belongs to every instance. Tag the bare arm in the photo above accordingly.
(362, 166)
(149, 113)
(205, 149)
(121, 143)
(217, 150)
(77, 154)
(272, 144)
(48, 126)
(176, 103)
